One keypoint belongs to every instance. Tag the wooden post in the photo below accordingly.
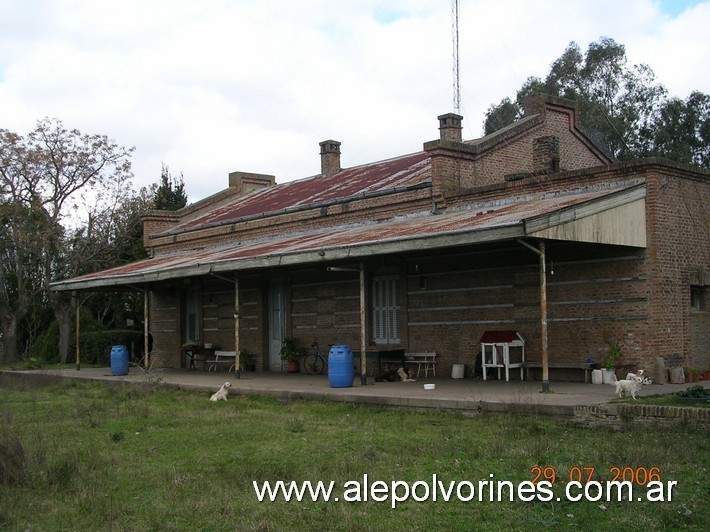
(363, 314)
(76, 333)
(237, 369)
(146, 327)
(543, 319)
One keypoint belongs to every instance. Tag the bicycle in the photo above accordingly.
(315, 362)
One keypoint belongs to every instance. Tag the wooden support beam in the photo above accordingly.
(76, 339)
(237, 369)
(543, 319)
(363, 339)
(146, 326)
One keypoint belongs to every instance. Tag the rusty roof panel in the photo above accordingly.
(489, 216)
(399, 172)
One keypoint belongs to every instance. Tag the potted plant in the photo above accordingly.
(691, 375)
(612, 360)
(247, 360)
(289, 352)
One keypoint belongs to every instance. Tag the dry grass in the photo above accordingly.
(98, 457)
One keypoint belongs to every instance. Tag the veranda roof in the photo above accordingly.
(599, 216)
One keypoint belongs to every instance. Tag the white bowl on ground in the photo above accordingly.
(429, 386)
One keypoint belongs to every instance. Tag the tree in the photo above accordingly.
(59, 191)
(170, 195)
(682, 130)
(20, 277)
(621, 104)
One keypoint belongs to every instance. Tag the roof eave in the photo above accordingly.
(420, 243)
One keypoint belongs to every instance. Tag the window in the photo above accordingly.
(192, 331)
(697, 298)
(385, 310)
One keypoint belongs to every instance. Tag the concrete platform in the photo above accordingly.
(472, 395)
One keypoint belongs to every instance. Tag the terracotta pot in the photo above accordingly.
(292, 366)
(706, 376)
(689, 377)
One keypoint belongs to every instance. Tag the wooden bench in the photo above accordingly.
(563, 365)
(423, 360)
(222, 358)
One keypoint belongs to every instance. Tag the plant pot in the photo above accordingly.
(607, 376)
(597, 377)
(706, 376)
(292, 366)
(689, 377)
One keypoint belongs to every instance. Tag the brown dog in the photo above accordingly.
(396, 376)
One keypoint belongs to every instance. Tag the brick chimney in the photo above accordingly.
(245, 182)
(329, 157)
(450, 127)
(546, 154)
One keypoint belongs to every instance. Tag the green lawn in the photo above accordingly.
(92, 456)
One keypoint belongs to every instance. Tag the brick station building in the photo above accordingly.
(427, 251)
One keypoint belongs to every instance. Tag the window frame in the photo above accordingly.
(698, 296)
(385, 310)
(192, 309)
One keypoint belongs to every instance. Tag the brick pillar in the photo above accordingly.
(329, 157)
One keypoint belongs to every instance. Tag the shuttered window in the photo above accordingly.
(385, 310)
(192, 315)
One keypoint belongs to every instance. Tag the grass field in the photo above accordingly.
(92, 456)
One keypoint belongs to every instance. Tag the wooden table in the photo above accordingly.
(195, 356)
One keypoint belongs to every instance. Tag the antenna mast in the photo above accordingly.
(455, 37)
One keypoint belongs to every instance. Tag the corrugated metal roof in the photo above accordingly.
(402, 171)
(337, 242)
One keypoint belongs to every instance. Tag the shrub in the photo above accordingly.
(696, 392)
(96, 345)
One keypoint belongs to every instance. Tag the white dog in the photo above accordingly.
(627, 387)
(630, 375)
(221, 394)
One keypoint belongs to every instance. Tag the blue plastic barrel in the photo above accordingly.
(119, 360)
(340, 366)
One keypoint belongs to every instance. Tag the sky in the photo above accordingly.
(217, 86)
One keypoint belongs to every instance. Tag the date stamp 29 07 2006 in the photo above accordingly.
(640, 476)
(620, 480)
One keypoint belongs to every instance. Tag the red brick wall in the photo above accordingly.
(166, 326)
(678, 243)
(597, 294)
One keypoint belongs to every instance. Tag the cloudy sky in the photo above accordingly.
(208, 87)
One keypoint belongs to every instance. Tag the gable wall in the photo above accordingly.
(517, 155)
